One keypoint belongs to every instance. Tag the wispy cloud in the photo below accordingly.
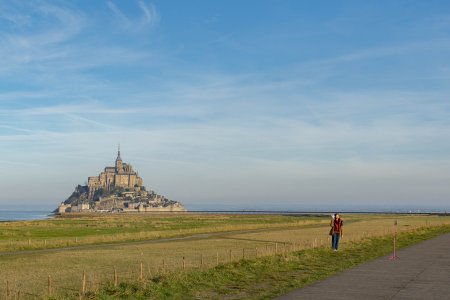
(149, 17)
(25, 48)
(14, 16)
(123, 19)
(233, 106)
(67, 23)
(374, 52)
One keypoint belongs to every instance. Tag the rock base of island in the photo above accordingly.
(117, 189)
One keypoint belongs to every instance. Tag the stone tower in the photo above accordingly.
(119, 163)
(121, 175)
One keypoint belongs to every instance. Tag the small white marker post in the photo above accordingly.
(394, 255)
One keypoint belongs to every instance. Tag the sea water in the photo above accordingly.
(16, 215)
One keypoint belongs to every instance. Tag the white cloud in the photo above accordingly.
(123, 19)
(52, 26)
(151, 16)
(280, 134)
(16, 18)
(148, 19)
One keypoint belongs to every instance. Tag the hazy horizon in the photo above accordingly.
(278, 207)
(250, 105)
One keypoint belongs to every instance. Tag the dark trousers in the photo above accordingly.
(335, 240)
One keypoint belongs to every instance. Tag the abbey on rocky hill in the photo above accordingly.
(117, 189)
(119, 176)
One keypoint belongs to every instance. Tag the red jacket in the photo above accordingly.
(336, 224)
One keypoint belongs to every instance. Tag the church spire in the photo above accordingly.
(119, 164)
(118, 153)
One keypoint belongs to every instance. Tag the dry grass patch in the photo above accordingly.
(28, 271)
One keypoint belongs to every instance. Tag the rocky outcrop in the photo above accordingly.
(116, 189)
(138, 200)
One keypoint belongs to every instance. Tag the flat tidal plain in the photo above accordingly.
(64, 256)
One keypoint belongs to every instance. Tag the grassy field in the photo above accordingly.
(126, 245)
(261, 278)
(88, 229)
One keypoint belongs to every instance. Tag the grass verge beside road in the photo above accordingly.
(262, 278)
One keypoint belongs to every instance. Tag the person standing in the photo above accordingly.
(331, 230)
(336, 231)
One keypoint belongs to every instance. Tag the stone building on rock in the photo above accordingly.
(119, 176)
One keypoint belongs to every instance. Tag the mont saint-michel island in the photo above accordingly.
(117, 189)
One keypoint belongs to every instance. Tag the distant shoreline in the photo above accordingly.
(33, 215)
(21, 215)
(292, 212)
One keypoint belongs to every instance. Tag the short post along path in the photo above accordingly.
(421, 272)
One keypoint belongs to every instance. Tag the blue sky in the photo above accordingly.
(230, 104)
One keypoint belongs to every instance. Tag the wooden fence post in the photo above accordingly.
(83, 284)
(49, 285)
(243, 253)
(201, 260)
(217, 258)
(7, 289)
(184, 264)
(256, 251)
(230, 256)
(276, 248)
(115, 277)
(142, 272)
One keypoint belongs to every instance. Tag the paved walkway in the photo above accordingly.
(422, 272)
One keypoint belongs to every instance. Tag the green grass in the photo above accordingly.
(75, 230)
(88, 225)
(27, 271)
(262, 278)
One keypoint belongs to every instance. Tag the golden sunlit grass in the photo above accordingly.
(262, 277)
(29, 271)
(88, 229)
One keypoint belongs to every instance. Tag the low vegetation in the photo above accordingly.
(261, 278)
(88, 229)
(133, 251)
